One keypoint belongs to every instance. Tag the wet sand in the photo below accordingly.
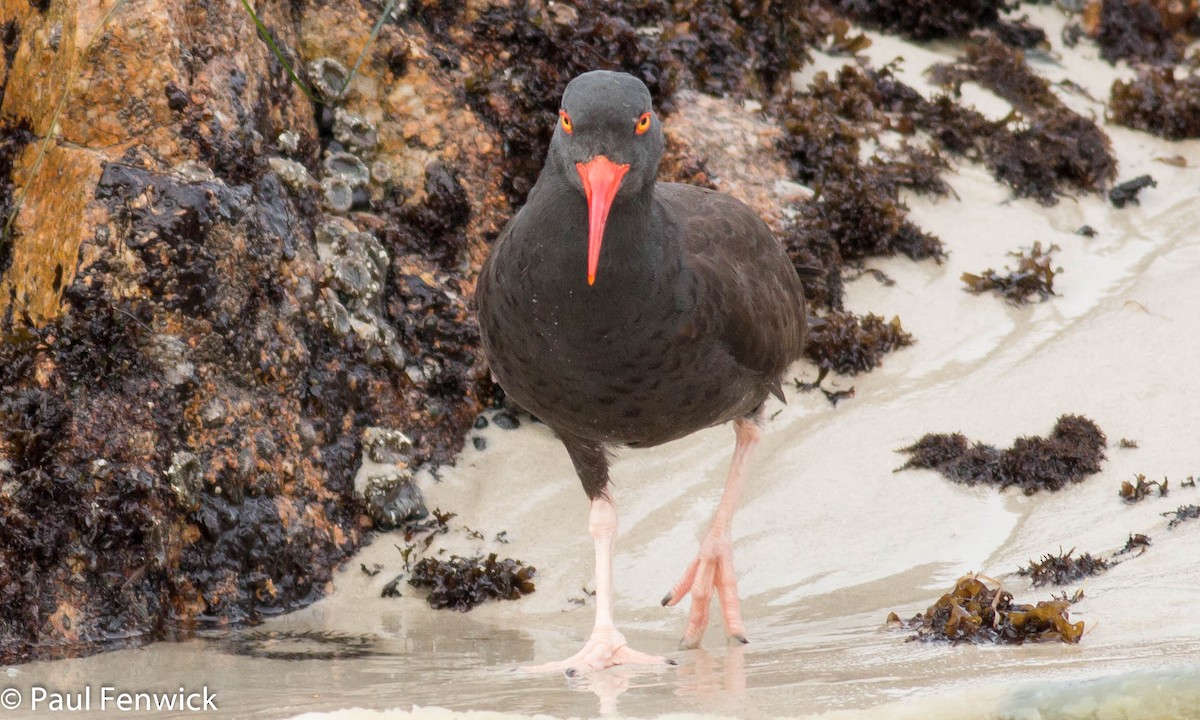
(828, 539)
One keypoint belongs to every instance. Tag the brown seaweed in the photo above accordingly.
(1034, 275)
(1137, 542)
(462, 583)
(1144, 30)
(850, 344)
(1182, 514)
(1158, 103)
(975, 612)
(925, 19)
(1048, 151)
(1039, 151)
(1136, 492)
(1002, 70)
(1071, 452)
(1063, 568)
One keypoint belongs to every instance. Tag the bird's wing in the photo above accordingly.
(747, 282)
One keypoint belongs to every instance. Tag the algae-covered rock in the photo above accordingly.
(186, 365)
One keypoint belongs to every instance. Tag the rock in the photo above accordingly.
(393, 499)
(506, 420)
(387, 446)
(180, 340)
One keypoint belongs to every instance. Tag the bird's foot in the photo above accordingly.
(604, 649)
(711, 570)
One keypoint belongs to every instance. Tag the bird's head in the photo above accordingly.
(608, 143)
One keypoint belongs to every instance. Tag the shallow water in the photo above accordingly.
(828, 539)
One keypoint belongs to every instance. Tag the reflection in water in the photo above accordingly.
(700, 675)
(705, 674)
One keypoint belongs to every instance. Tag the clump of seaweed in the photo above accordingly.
(1143, 30)
(1137, 542)
(1182, 514)
(1020, 33)
(1039, 149)
(462, 583)
(1049, 150)
(850, 344)
(857, 212)
(1127, 192)
(974, 612)
(1063, 568)
(1000, 69)
(925, 19)
(1034, 275)
(1071, 452)
(1132, 493)
(1157, 102)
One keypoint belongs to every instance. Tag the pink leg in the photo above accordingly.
(606, 647)
(713, 566)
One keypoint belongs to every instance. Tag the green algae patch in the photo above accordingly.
(973, 611)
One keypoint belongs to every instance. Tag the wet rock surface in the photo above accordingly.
(185, 376)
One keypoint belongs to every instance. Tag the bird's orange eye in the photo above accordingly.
(643, 123)
(565, 120)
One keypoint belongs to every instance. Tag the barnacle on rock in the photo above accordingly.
(339, 195)
(393, 499)
(328, 77)
(288, 141)
(354, 131)
(347, 167)
(186, 477)
(291, 172)
(383, 445)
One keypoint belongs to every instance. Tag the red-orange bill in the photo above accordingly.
(601, 179)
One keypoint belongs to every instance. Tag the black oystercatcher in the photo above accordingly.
(625, 311)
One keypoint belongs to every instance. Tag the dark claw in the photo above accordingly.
(672, 662)
(666, 599)
(569, 672)
(740, 638)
